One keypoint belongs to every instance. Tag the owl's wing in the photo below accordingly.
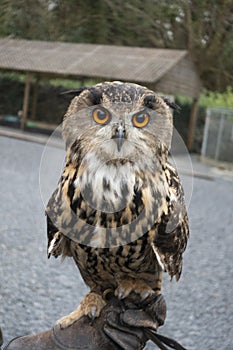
(54, 239)
(172, 230)
(58, 243)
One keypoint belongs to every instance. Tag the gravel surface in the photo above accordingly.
(35, 292)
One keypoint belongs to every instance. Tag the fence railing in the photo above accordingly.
(217, 141)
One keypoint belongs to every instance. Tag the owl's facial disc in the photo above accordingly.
(119, 135)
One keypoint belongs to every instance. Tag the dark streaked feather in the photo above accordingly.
(171, 104)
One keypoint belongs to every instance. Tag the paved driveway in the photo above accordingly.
(35, 292)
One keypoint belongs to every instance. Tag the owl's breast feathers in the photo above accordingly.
(116, 206)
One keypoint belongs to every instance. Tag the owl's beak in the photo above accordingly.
(119, 136)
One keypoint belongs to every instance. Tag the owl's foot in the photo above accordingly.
(91, 306)
(125, 287)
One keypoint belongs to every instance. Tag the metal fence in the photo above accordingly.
(218, 135)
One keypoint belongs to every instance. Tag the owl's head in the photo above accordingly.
(118, 120)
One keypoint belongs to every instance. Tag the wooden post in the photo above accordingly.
(192, 123)
(35, 98)
(26, 100)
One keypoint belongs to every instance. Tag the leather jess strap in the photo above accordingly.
(161, 341)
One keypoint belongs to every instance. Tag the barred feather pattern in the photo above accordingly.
(121, 216)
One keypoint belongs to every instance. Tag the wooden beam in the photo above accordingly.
(26, 101)
(192, 123)
(35, 98)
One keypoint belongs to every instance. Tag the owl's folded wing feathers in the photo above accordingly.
(172, 230)
(58, 243)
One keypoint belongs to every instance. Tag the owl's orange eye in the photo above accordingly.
(101, 116)
(141, 119)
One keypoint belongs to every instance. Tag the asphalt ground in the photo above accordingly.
(35, 292)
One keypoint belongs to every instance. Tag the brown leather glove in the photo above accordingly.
(122, 325)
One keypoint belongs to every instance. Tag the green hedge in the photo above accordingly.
(52, 106)
(181, 122)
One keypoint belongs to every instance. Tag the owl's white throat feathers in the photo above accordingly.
(112, 184)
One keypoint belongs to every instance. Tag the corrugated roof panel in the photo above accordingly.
(88, 60)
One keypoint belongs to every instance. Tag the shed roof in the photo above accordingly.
(154, 66)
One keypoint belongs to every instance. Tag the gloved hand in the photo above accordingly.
(128, 328)
(137, 322)
(122, 325)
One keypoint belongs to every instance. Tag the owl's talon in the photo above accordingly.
(93, 312)
(122, 295)
(125, 287)
(123, 291)
(129, 286)
(145, 294)
(90, 306)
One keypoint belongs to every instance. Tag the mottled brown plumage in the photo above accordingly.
(118, 209)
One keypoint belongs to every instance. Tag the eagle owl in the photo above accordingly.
(118, 208)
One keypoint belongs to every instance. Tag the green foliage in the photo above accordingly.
(181, 121)
(207, 99)
(26, 19)
(216, 99)
(12, 76)
(211, 99)
(11, 93)
(71, 83)
(52, 105)
(203, 27)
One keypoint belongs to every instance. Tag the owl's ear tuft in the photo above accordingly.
(171, 104)
(95, 96)
(75, 92)
(149, 101)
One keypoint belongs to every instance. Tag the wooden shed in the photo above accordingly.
(164, 70)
